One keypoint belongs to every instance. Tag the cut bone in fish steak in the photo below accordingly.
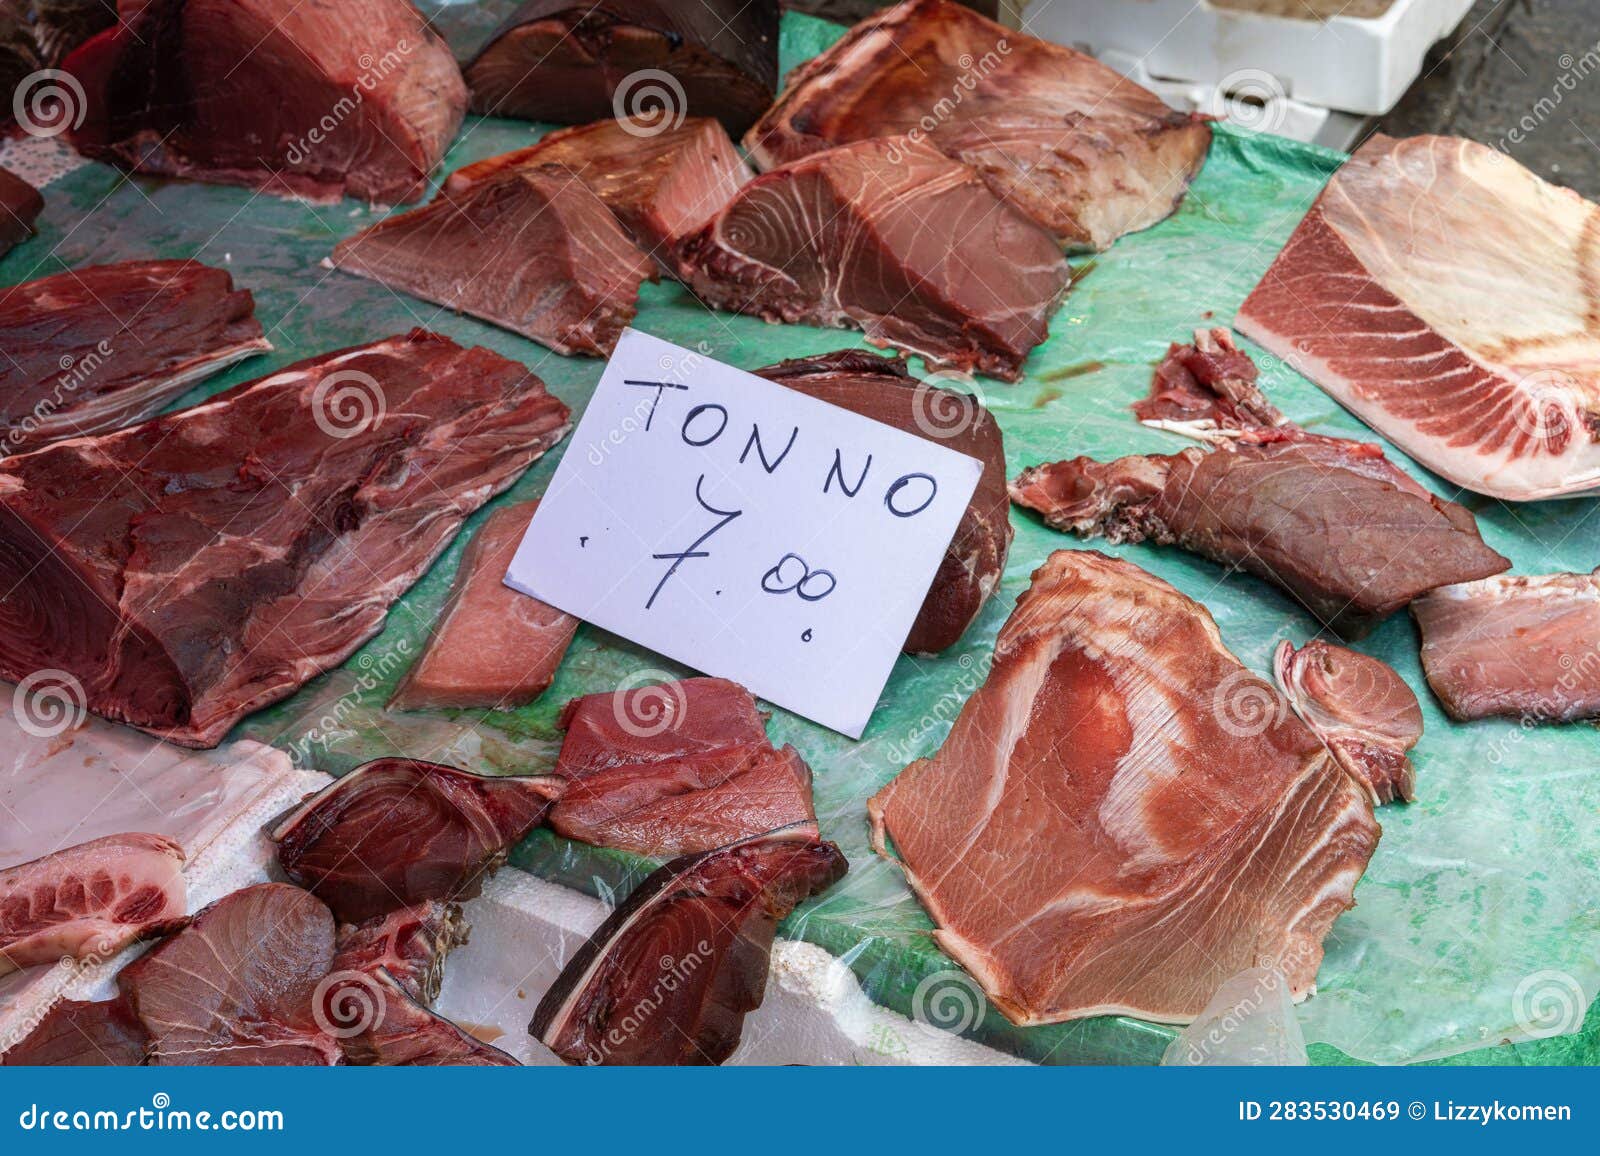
(1067, 141)
(570, 63)
(126, 338)
(20, 206)
(248, 92)
(661, 187)
(75, 1033)
(395, 832)
(1514, 647)
(1123, 816)
(411, 944)
(1360, 708)
(670, 975)
(880, 388)
(532, 250)
(92, 899)
(861, 236)
(1401, 295)
(492, 646)
(191, 569)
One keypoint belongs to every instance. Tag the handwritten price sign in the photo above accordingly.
(745, 529)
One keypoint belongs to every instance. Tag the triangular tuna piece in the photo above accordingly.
(320, 98)
(892, 238)
(75, 1033)
(532, 250)
(1064, 139)
(1187, 827)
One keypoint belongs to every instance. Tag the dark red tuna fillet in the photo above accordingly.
(239, 985)
(671, 974)
(1522, 647)
(655, 723)
(320, 98)
(661, 187)
(411, 944)
(532, 250)
(90, 900)
(492, 646)
(845, 238)
(20, 206)
(196, 567)
(396, 832)
(1207, 386)
(1064, 139)
(880, 388)
(75, 1033)
(407, 1034)
(1331, 522)
(554, 60)
(96, 349)
(1360, 708)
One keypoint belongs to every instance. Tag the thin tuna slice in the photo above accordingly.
(1205, 387)
(671, 974)
(74, 1033)
(492, 647)
(880, 388)
(649, 60)
(1069, 142)
(191, 569)
(90, 900)
(239, 985)
(1514, 647)
(20, 206)
(396, 832)
(1331, 522)
(92, 350)
(1360, 708)
(319, 99)
(659, 722)
(844, 238)
(532, 250)
(1189, 826)
(1399, 295)
(661, 187)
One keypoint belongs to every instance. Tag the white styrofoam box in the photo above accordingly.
(1360, 66)
(1275, 113)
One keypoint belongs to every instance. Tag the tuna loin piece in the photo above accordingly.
(706, 924)
(74, 1033)
(532, 250)
(75, 365)
(1514, 647)
(239, 985)
(1360, 708)
(661, 187)
(880, 388)
(396, 832)
(492, 647)
(244, 92)
(1066, 140)
(92, 899)
(570, 63)
(844, 238)
(1191, 828)
(1332, 522)
(198, 566)
(1398, 295)
(20, 206)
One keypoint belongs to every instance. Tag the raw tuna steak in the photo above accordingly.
(554, 60)
(90, 900)
(661, 187)
(20, 206)
(397, 832)
(671, 974)
(1072, 144)
(196, 567)
(1514, 647)
(1360, 708)
(492, 646)
(96, 349)
(659, 722)
(239, 984)
(843, 238)
(1400, 296)
(74, 1033)
(319, 98)
(880, 388)
(532, 250)
(1192, 826)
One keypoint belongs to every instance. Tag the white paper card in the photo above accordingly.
(745, 529)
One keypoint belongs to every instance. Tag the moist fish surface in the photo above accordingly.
(20, 206)
(77, 1033)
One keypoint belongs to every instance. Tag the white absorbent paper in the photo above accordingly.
(745, 529)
